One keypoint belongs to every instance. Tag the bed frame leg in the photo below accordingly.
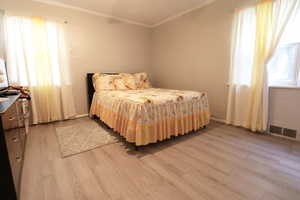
(136, 148)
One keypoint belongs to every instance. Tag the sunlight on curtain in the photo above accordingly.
(263, 46)
(272, 18)
(37, 58)
(292, 32)
(284, 66)
(242, 57)
(245, 23)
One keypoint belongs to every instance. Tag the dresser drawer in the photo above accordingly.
(15, 143)
(12, 142)
(10, 118)
(15, 146)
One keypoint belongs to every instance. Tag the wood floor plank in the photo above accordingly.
(114, 180)
(85, 178)
(241, 187)
(183, 190)
(270, 175)
(220, 162)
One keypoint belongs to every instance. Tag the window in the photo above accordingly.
(34, 53)
(284, 66)
(37, 57)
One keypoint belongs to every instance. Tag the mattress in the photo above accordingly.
(151, 115)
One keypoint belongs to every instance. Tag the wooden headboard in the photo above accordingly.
(90, 86)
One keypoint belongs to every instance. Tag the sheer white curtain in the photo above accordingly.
(242, 58)
(37, 57)
(248, 92)
(284, 66)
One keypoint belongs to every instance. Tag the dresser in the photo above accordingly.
(14, 114)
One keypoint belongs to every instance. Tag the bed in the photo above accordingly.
(142, 114)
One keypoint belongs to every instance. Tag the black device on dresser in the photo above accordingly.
(12, 146)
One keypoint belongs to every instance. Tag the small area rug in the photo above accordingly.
(82, 137)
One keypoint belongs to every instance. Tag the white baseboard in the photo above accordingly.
(218, 120)
(82, 115)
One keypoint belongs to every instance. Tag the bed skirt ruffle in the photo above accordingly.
(143, 124)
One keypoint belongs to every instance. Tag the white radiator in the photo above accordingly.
(284, 108)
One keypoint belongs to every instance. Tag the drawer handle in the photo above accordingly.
(15, 139)
(11, 118)
(18, 158)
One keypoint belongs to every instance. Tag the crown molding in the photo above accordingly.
(203, 4)
(173, 17)
(54, 3)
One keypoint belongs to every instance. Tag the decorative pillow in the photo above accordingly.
(142, 80)
(104, 82)
(120, 83)
(130, 81)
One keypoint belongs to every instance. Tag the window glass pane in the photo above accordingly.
(292, 32)
(53, 52)
(244, 46)
(283, 67)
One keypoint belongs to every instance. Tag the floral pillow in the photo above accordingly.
(142, 80)
(120, 83)
(129, 81)
(103, 82)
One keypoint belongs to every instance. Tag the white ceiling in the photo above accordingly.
(148, 13)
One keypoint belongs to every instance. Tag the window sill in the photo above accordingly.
(284, 87)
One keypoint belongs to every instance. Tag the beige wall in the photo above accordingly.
(193, 52)
(97, 43)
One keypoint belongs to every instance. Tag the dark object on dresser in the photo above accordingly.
(12, 147)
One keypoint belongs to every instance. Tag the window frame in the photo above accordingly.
(289, 83)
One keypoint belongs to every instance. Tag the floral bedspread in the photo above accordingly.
(151, 115)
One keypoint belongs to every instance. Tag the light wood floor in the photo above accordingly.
(220, 162)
